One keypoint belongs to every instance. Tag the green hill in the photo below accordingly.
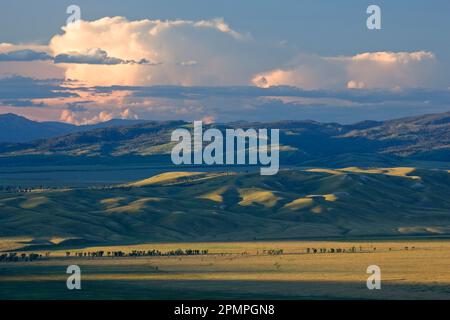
(295, 204)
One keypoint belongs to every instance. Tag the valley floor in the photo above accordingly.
(240, 270)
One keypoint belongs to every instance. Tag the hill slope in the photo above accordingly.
(343, 203)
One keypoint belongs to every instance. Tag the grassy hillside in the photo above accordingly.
(310, 203)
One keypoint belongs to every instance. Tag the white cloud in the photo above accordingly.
(212, 46)
(68, 116)
(380, 70)
(128, 114)
(393, 57)
(78, 119)
(352, 84)
(208, 119)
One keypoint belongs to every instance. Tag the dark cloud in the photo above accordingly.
(92, 56)
(351, 95)
(236, 103)
(284, 102)
(18, 88)
(95, 56)
(24, 55)
(21, 103)
(78, 106)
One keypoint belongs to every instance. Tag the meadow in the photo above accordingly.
(416, 269)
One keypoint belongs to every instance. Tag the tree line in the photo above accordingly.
(15, 257)
(137, 253)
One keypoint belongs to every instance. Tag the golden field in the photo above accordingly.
(409, 269)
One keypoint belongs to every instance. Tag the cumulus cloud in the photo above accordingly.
(128, 114)
(159, 26)
(77, 119)
(370, 70)
(204, 70)
(212, 46)
(208, 119)
(352, 84)
(68, 116)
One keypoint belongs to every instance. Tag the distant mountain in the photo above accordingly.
(14, 128)
(424, 137)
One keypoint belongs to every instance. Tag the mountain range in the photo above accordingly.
(425, 137)
(14, 128)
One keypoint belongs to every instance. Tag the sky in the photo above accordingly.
(222, 61)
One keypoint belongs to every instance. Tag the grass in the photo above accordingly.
(166, 177)
(134, 206)
(395, 171)
(299, 203)
(258, 196)
(14, 243)
(216, 196)
(34, 202)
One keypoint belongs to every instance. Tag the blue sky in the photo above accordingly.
(311, 45)
(323, 27)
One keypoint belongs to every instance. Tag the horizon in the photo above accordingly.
(224, 123)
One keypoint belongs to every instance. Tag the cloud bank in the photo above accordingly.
(370, 70)
(117, 51)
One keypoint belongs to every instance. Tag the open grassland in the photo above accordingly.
(410, 270)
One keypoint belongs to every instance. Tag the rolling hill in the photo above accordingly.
(188, 206)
